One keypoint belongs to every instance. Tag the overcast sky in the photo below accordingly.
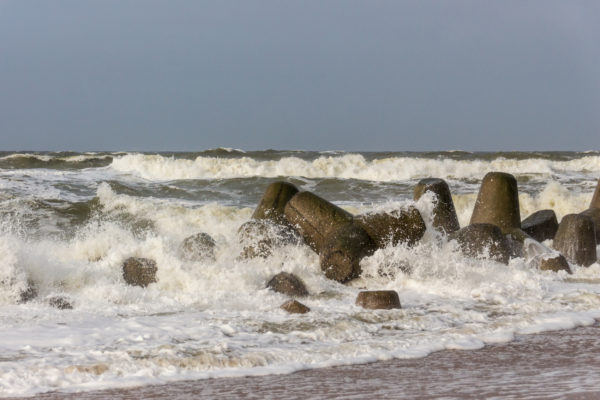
(322, 75)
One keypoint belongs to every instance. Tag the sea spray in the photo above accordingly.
(66, 228)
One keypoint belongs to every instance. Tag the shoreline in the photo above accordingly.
(548, 365)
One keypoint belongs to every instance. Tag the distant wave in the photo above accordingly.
(55, 160)
(347, 166)
(225, 150)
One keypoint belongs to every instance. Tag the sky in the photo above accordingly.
(314, 75)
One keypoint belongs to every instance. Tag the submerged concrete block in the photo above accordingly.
(576, 239)
(378, 299)
(197, 247)
(139, 271)
(294, 307)
(556, 263)
(261, 236)
(287, 283)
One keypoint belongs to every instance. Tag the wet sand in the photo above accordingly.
(551, 365)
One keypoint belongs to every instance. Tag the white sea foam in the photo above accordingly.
(216, 318)
(210, 319)
(348, 166)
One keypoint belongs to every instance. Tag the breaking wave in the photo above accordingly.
(67, 233)
(347, 166)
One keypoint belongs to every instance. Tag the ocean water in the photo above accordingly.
(69, 220)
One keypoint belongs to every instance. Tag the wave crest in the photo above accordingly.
(348, 166)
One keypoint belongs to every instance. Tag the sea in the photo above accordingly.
(68, 220)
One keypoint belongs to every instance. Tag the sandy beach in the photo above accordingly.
(550, 365)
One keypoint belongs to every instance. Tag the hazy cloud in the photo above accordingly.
(370, 75)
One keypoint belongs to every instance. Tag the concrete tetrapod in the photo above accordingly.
(315, 218)
(402, 226)
(576, 239)
(498, 202)
(378, 299)
(29, 293)
(60, 302)
(139, 271)
(287, 283)
(444, 213)
(595, 203)
(516, 239)
(540, 225)
(260, 236)
(342, 252)
(268, 227)
(294, 307)
(273, 202)
(199, 246)
(594, 214)
(483, 240)
(555, 263)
